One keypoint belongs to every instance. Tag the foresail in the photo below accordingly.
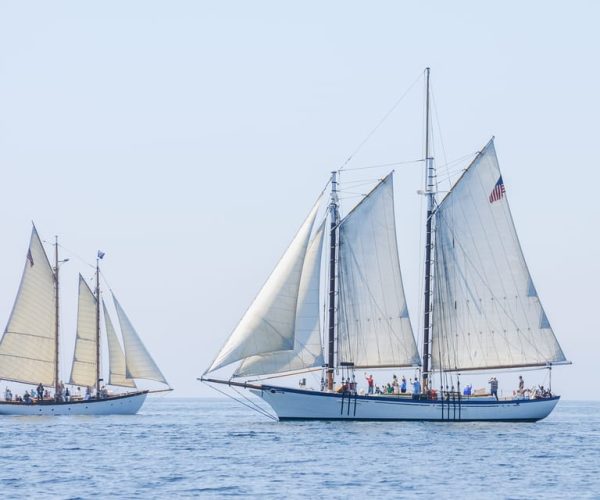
(486, 311)
(84, 370)
(308, 351)
(138, 361)
(116, 358)
(27, 348)
(269, 323)
(374, 329)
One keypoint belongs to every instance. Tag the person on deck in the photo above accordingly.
(370, 383)
(40, 391)
(494, 387)
(521, 385)
(67, 395)
(416, 387)
(403, 385)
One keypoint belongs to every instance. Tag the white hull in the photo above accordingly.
(127, 404)
(295, 404)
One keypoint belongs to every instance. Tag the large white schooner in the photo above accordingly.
(29, 348)
(481, 309)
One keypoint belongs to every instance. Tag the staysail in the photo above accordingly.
(486, 311)
(269, 323)
(27, 349)
(116, 359)
(84, 368)
(308, 351)
(374, 329)
(138, 361)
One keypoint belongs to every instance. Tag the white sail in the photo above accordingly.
(116, 358)
(308, 351)
(138, 361)
(269, 322)
(374, 329)
(84, 371)
(486, 311)
(27, 349)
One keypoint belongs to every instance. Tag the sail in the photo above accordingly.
(116, 358)
(374, 329)
(269, 322)
(84, 368)
(486, 311)
(27, 348)
(308, 351)
(138, 361)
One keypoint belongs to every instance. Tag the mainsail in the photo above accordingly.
(84, 369)
(374, 329)
(307, 351)
(27, 349)
(116, 358)
(486, 311)
(269, 323)
(139, 363)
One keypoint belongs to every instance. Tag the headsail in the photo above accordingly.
(486, 312)
(84, 360)
(308, 351)
(27, 348)
(137, 358)
(116, 358)
(374, 329)
(269, 322)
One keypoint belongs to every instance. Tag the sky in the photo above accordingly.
(188, 140)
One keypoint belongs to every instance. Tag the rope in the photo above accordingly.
(252, 407)
(380, 123)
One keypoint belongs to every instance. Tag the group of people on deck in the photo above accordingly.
(400, 386)
(394, 387)
(62, 394)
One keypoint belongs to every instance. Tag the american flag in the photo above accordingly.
(498, 191)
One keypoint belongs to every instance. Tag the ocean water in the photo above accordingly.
(216, 448)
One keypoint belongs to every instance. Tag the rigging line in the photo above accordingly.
(259, 408)
(381, 165)
(287, 374)
(437, 119)
(238, 401)
(381, 122)
(73, 254)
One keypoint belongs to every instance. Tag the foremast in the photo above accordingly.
(430, 193)
(334, 215)
(56, 317)
(98, 324)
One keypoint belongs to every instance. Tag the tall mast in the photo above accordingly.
(56, 313)
(430, 192)
(97, 326)
(333, 210)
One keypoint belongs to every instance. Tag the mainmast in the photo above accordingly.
(333, 210)
(98, 325)
(430, 193)
(56, 313)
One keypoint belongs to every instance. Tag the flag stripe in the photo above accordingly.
(498, 191)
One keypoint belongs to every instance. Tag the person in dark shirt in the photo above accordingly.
(494, 387)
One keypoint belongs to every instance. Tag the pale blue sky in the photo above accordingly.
(189, 139)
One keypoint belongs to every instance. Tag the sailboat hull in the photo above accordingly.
(297, 404)
(126, 404)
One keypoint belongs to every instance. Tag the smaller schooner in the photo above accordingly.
(481, 309)
(29, 348)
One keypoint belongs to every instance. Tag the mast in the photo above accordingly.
(98, 325)
(333, 210)
(429, 191)
(56, 315)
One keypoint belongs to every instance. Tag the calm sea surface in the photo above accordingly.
(215, 448)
